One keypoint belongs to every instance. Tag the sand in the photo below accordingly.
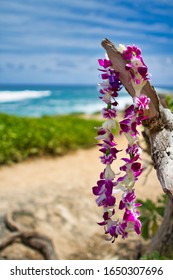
(58, 193)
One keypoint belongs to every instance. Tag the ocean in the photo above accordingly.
(39, 100)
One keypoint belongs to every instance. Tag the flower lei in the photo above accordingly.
(108, 186)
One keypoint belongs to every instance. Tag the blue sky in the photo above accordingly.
(58, 41)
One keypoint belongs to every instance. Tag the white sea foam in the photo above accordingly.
(12, 96)
(96, 107)
(124, 101)
(87, 108)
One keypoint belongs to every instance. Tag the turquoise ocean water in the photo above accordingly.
(39, 100)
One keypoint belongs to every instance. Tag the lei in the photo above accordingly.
(109, 183)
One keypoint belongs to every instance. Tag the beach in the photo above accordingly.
(58, 193)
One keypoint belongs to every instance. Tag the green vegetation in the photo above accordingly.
(24, 137)
(155, 256)
(151, 215)
(169, 102)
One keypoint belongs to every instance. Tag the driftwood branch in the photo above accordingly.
(29, 238)
(158, 126)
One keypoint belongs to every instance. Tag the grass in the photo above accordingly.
(23, 137)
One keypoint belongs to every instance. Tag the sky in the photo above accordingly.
(59, 41)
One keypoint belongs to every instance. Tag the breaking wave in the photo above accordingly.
(12, 96)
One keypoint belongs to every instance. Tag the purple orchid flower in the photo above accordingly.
(105, 63)
(142, 102)
(104, 192)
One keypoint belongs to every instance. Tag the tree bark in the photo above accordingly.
(159, 129)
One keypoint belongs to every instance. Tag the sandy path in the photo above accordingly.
(58, 192)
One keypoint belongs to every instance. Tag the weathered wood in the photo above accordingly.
(9, 239)
(159, 125)
(162, 151)
(28, 237)
(41, 243)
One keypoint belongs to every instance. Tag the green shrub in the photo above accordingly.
(151, 215)
(155, 256)
(24, 137)
(169, 102)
